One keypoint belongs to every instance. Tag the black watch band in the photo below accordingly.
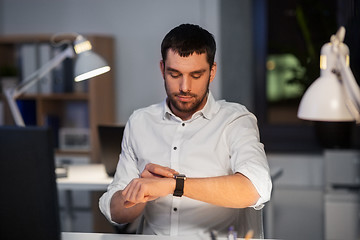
(179, 188)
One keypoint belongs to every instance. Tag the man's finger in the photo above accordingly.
(129, 204)
(156, 169)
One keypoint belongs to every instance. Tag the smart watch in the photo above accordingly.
(179, 189)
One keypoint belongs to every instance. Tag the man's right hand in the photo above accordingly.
(142, 190)
(150, 186)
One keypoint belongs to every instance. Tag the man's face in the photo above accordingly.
(186, 82)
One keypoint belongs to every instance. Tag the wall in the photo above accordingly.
(138, 27)
(237, 52)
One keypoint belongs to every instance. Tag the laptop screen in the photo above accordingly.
(28, 203)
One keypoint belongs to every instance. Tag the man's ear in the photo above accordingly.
(162, 68)
(213, 71)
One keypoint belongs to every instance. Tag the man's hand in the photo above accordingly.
(141, 190)
(156, 181)
(154, 170)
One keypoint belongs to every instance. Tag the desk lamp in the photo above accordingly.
(335, 95)
(88, 64)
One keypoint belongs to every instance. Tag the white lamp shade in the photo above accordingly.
(325, 101)
(88, 64)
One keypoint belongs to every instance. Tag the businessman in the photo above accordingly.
(187, 163)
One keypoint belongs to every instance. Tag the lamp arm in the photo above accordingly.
(351, 87)
(42, 71)
(19, 121)
(13, 93)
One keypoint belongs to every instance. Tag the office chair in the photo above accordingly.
(250, 219)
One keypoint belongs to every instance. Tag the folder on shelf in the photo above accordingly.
(45, 55)
(63, 74)
(28, 63)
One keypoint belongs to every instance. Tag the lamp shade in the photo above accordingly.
(88, 64)
(325, 100)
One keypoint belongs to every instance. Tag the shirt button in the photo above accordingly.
(175, 209)
(175, 148)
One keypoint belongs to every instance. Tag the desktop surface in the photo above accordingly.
(108, 236)
(90, 177)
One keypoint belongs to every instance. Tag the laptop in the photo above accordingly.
(28, 203)
(110, 137)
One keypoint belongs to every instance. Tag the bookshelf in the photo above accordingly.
(86, 105)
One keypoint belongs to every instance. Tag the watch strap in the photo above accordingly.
(179, 188)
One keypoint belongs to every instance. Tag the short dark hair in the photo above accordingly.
(187, 39)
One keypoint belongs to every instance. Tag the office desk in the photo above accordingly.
(107, 236)
(89, 177)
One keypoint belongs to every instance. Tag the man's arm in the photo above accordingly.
(124, 211)
(234, 191)
(122, 214)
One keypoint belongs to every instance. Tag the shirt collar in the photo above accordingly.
(208, 111)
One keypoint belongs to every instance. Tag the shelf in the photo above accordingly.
(56, 96)
(72, 152)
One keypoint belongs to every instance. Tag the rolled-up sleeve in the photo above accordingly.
(126, 170)
(247, 155)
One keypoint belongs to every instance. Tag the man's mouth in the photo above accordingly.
(184, 98)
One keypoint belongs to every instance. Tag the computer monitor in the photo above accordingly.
(28, 202)
(110, 137)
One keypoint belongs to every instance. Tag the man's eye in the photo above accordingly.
(196, 76)
(174, 75)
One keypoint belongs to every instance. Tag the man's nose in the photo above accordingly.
(185, 84)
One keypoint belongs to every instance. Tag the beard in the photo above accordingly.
(186, 107)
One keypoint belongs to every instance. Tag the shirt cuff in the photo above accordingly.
(263, 187)
(104, 204)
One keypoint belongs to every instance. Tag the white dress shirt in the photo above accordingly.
(221, 139)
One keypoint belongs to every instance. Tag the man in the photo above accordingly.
(214, 143)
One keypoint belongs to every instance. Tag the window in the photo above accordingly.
(288, 36)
